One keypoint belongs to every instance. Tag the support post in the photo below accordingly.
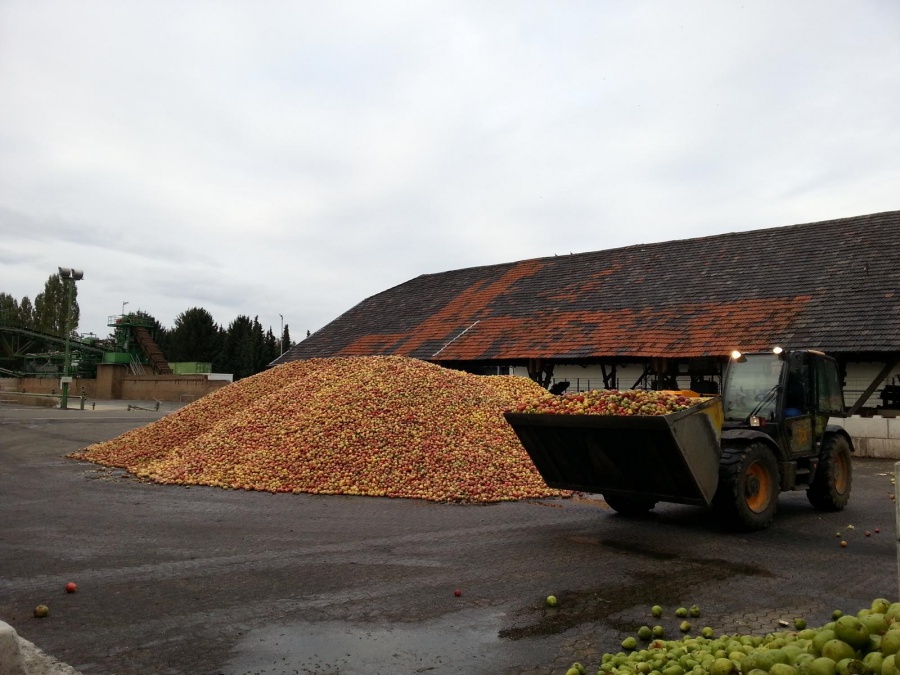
(897, 521)
(64, 401)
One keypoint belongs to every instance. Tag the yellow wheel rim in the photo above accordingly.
(757, 487)
(841, 472)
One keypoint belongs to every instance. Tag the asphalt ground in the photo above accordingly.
(174, 579)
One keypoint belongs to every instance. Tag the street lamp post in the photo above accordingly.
(123, 307)
(69, 276)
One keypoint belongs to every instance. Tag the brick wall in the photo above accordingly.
(184, 388)
(180, 388)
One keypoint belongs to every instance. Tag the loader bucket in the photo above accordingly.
(669, 458)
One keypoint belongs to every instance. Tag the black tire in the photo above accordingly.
(629, 506)
(830, 488)
(749, 485)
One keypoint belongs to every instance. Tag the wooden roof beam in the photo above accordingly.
(879, 378)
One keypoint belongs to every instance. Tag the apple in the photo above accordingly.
(41, 611)
(457, 592)
(551, 601)
(71, 587)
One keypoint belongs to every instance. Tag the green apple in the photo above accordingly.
(837, 650)
(852, 631)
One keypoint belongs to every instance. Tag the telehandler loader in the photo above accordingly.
(768, 432)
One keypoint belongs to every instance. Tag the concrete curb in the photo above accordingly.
(20, 657)
(11, 660)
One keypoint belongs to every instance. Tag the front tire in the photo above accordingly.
(830, 489)
(629, 506)
(749, 484)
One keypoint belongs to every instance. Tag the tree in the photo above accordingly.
(51, 306)
(285, 340)
(270, 349)
(9, 308)
(13, 311)
(258, 347)
(237, 351)
(26, 312)
(195, 337)
(246, 349)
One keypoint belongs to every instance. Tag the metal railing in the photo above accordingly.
(137, 368)
(58, 397)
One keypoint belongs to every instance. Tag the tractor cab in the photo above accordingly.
(788, 396)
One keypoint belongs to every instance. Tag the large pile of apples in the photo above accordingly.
(380, 426)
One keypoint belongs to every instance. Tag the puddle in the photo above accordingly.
(457, 644)
(645, 586)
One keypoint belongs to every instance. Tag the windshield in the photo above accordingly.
(751, 387)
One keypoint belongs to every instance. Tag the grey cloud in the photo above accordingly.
(294, 159)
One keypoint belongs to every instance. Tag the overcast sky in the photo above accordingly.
(264, 158)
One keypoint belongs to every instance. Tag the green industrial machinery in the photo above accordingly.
(134, 345)
(28, 352)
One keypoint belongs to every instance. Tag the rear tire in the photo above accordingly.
(629, 506)
(749, 484)
(830, 489)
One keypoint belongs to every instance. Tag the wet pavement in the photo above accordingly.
(202, 580)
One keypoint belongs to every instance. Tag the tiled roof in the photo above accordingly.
(833, 286)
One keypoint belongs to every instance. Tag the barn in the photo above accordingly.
(659, 315)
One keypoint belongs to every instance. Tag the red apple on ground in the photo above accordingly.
(71, 587)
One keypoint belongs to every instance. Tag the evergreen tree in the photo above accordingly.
(285, 340)
(195, 337)
(237, 352)
(271, 350)
(258, 347)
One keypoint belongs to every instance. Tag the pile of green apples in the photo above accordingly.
(864, 644)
